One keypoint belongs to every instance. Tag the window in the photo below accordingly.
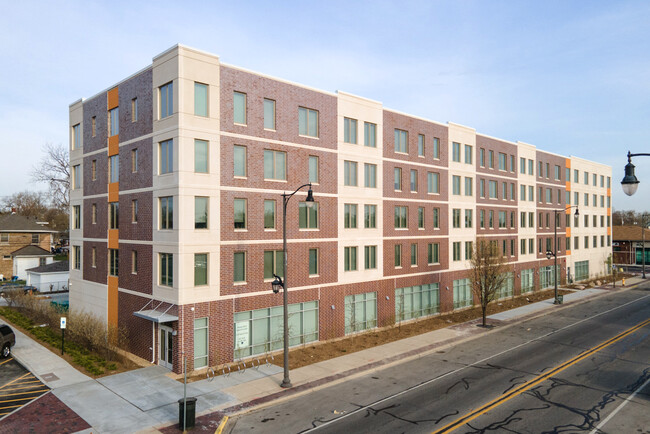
(350, 216)
(433, 182)
(35, 239)
(512, 219)
(468, 154)
(200, 343)
(436, 148)
(269, 214)
(586, 221)
(455, 218)
(239, 267)
(93, 122)
(93, 213)
(456, 251)
(76, 177)
(530, 167)
(113, 215)
(491, 219)
(468, 218)
(586, 242)
(113, 261)
(416, 301)
(548, 170)
(113, 168)
(522, 192)
(469, 182)
(609, 181)
(200, 212)
(557, 173)
(420, 218)
(586, 199)
(350, 259)
(76, 136)
(512, 191)
(414, 180)
(313, 262)
(576, 198)
(401, 217)
(370, 175)
(421, 145)
(134, 110)
(522, 246)
(398, 178)
(166, 212)
(307, 122)
(239, 161)
(503, 161)
(360, 312)
(4, 238)
(576, 243)
(482, 157)
(370, 257)
(414, 255)
(370, 216)
(313, 169)
(468, 250)
(350, 173)
(114, 122)
(273, 263)
(269, 114)
(512, 163)
(398, 255)
(522, 165)
(433, 253)
(166, 274)
(370, 135)
(401, 141)
(93, 170)
(134, 160)
(200, 269)
(166, 151)
(436, 218)
(455, 152)
(76, 217)
(482, 218)
(134, 211)
(275, 165)
(482, 188)
(93, 257)
(540, 171)
(200, 99)
(166, 100)
(504, 190)
(200, 156)
(549, 195)
(586, 178)
(77, 257)
(239, 108)
(239, 207)
(350, 131)
(455, 183)
(308, 215)
(502, 219)
(493, 190)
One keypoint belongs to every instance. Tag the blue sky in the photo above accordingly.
(571, 77)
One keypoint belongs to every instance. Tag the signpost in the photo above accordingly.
(63, 322)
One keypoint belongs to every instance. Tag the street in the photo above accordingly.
(582, 368)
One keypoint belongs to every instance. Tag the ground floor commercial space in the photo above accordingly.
(631, 252)
(249, 326)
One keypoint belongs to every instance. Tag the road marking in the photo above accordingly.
(8, 360)
(4, 395)
(623, 404)
(221, 425)
(13, 381)
(473, 414)
(417, 386)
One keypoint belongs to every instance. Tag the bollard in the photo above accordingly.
(624, 281)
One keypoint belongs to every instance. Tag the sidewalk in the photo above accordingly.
(146, 399)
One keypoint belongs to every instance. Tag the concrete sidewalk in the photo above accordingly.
(146, 399)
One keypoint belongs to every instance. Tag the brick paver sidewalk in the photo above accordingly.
(46, 414)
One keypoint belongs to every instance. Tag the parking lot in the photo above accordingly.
(18, 386)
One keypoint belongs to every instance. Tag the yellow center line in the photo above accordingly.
(13, 381)
(473, 414)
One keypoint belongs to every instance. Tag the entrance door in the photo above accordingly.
(165, 356)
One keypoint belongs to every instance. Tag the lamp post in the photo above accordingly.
(550, 254)
(630, 183)
(278, 283)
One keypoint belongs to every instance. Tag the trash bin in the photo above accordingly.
(190, 413)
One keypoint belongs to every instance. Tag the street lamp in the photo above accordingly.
(550, 254)
(630, 183)
(278, 283)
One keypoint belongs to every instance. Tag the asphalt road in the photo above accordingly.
(584, 368)
(18, 386)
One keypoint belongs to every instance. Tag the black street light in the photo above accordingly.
(550, 254)
(630, 183)
(278, 283)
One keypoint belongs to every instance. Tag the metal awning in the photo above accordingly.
(156, 314)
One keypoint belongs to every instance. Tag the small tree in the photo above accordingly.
(487, 273)
(54, 170)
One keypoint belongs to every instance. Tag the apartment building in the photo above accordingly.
(178, 171)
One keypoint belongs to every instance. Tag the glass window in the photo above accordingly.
(200, 156)
(134, 160)
(455, 182)
(401, 217)
(113, 262)
(433, 253)
(114, 122)
(269, 214)
(239, 108)
(307, 122)
(456, 251)
(134, 211)
(166, 212)
(308, 215)
(370, 216)
(503, 161)
(313, 262)
(398, 178)
(401, 141)
(370, 257)
(76, 136)
(200, 212)
(200, 269)
(455, 217)
(468, 250)
(433, 182)
(93, 214)
(493, 189)
(468, 218)
(166, 100)
(414, 255)
(455, 152)
(76, 217)
(436, 148)
(273, 263)
(113, 168)
(482, 157)
(530, 167)
(93, 123)
(350, 259)
(436, 218)
(469, 183)
(313, 169)
(370, 134)
(370, 175)
(350, 173)
(468, 154)
(77, 258)
(239, 206)
(414, 180)
(463, 296)
(200, 343)
(421, 145)
(350, 131)
(113, 215)
(93, 170)
(398, 255)
(200, 99)
(360, 312)
(269, 114)
(522, 165)
(134, 110)
(275, 165)
(349, 215)
(420, 218)
(239, 267)
(239, 161)
(166, 151)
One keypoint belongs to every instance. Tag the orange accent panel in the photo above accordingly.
(567, 161)
(113, 145)
(609, 231)
(113, 238)
(113, 191)
(113, 98)
(609, 192)
(112, 300)
(567, 252)
(568, 186)
(609, 211)
(568, 232)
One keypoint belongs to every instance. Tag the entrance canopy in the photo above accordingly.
(161, 313)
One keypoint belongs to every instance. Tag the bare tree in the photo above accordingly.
(27, 203)
(54, 170)
(488, 272)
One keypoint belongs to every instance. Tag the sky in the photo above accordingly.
(570, 77)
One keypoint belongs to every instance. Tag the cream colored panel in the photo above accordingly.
(88, 296)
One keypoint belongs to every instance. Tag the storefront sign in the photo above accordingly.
(242, 330)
